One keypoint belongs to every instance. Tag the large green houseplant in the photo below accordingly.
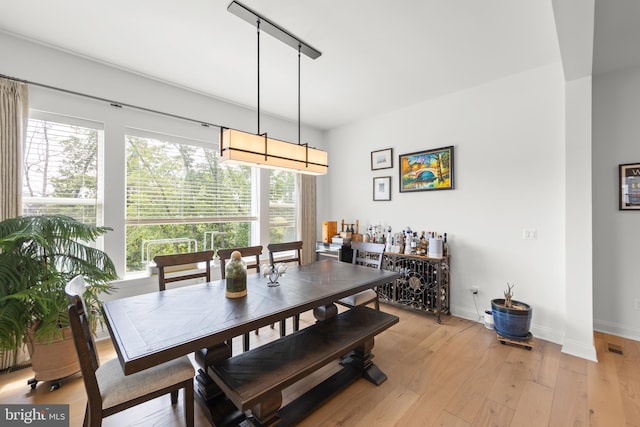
(39, 254)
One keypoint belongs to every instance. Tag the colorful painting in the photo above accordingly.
(427, 170)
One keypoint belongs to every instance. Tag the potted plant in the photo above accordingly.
(39, 254)
(511, 318)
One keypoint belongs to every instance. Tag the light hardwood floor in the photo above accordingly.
(453, 374)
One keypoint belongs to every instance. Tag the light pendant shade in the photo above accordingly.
(257, 150)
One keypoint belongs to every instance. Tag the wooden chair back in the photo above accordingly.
(296, 247)
(368, 254)
(250, 251)
(84, 342)
(164, 261)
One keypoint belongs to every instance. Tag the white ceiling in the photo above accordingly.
(377, 55)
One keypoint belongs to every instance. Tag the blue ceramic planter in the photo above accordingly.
(510, 322)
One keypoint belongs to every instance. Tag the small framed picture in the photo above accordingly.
(382, 188)
(629, 186)
(382, 159)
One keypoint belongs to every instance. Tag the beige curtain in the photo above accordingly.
(14, 112)
(307, 216)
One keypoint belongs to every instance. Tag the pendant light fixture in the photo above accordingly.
(257, 149)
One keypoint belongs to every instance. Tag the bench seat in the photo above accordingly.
(260, 374)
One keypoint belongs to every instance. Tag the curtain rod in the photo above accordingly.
(112, 103)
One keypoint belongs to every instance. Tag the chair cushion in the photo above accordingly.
(360, 298)
(116, 388)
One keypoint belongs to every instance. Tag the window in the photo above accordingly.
(60, 168)
(180, 199)
(282, 206)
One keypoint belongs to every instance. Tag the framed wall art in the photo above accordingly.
(382, 159)
(427, 170)
(382, 188)
(629, 186)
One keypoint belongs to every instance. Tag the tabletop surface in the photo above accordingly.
(153, 328)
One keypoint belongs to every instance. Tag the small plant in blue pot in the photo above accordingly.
(511, 318)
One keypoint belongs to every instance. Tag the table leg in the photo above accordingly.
(361, 358)
(325, 312)
(266, 412)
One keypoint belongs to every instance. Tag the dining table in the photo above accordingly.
(153, 328)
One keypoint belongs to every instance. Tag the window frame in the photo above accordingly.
(98, 201)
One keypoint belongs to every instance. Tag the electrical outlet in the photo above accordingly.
(529, 234)
(475, 290)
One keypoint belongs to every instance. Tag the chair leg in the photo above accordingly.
(377, 304)
(174, 397)
(283, 327)
(188, 404)
(93, 418)
(296, 323)
(245, 343)
(85, 423)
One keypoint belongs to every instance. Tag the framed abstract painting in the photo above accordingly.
(427, 170)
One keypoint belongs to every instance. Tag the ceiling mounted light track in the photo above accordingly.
(257, 149)
(272, 29)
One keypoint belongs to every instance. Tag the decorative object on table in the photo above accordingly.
(512, 319)
(382, 159)
(388, 239)
(273, 272)
(427, 170)
(434, 247)
(382, 188)
(329, 229)
(629, 186)
(39, 254)
(350, 233)
(236, 276)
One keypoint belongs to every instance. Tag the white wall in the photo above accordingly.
(508, 137)
(579, 266)
(616, 130)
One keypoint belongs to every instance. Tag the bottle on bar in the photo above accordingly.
(445, 246)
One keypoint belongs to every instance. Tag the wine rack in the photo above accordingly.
(423, 283)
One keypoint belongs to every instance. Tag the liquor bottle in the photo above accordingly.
(423, 244)
(445, 246)
(414, 243)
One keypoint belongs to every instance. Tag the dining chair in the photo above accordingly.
(204, 356)
(251, 251)
(110, 391)
(163, 262)
(292, 249)
(292, 252)
(370, 255)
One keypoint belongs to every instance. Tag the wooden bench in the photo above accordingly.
(255, 379)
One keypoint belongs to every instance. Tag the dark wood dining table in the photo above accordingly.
(153, 328)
